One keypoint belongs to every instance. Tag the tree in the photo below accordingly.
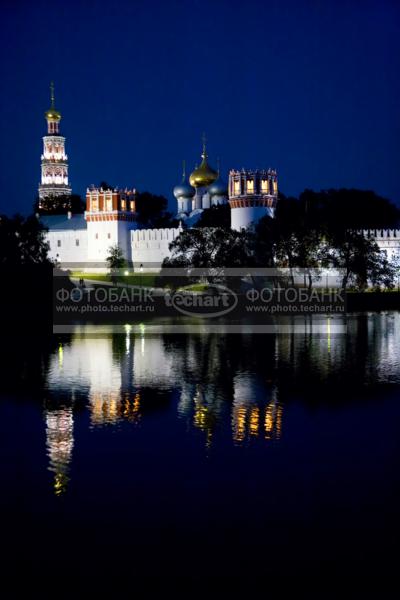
(26, 272)
(22, 242)
(303, 227)
(297, 237)
(211, 249)
(59, 205)
(338, 210)
(216, 216)
(360, 260)
(152, 211)
(115, 260)
(395, 264)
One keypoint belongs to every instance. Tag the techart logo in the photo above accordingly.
(203, 305)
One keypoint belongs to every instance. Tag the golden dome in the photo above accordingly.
(203, 175)
(52, 113)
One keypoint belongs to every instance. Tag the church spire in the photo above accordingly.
(204, 140)
(53, 116)
(52, 94)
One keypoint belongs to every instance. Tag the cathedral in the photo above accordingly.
(83, 241)
(204, 189)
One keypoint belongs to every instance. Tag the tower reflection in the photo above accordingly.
(255, 410)
(218, 385)
(59, 445)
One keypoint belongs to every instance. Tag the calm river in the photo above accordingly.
(202, 455)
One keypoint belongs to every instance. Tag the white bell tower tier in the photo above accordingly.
(252, 195)
(54, 181)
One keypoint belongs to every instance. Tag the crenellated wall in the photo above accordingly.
(151, 246)
(388, 240)
(75, 242)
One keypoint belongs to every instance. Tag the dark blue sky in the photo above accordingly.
(308, 87)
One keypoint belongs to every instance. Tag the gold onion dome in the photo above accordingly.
(52, 113)
(203, 175)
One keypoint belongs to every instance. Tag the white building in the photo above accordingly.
(204, 189)
(83, 241)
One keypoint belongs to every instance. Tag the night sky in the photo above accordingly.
(310, 88)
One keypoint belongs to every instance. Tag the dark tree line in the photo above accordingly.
(25, 272)
(59, 205)
(316, 230)
(152, 211)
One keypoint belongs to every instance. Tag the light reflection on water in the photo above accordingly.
(59, 444)
(215, 383)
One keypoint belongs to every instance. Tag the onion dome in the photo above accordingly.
(218, 188)
(184, 189)
(52, 113)
(203, 175)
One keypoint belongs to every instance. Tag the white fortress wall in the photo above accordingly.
(104, 234)
(67, 246)
(388, 240)
(151, 246)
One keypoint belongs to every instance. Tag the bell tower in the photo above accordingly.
(54, 180)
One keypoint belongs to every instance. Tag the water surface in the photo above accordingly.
(203, 455)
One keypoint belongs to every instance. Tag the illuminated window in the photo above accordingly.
(236, 187)
(132, 205)
(95, 204)
(123, 204)
(264, 186)
(109, 204)
(275, 184)
(250, 186)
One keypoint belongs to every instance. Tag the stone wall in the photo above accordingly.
(151, 246)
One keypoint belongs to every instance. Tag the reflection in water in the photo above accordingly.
(59, 443)
(109, 408)
(255, 410)
(212, 381)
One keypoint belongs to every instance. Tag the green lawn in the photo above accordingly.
(139, 279)
(91, 276)
(195, 287)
